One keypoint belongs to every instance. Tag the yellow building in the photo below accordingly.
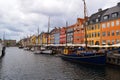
(33, 40)
(94, 28)
(44, 38)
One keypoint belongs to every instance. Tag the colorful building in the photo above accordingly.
(93, 28)
(110, 26)
(44, 38)
(33, 40)
(62, 35)
(57, 36)
(69, 34)
(79, 32)
(52, 38)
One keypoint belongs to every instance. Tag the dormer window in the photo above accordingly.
(114, 15)
(98, 15)
(106, 17)
(97, 20)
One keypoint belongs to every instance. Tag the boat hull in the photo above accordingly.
(97, 59)
(46, 52)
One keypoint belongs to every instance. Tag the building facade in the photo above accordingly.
(63, 35)
(79, 32)
(57, 36)
(69, 34)
(94, 28)
(10, 43)
(110, 25)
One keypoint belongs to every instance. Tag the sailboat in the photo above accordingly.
(81, 55)
(45, 49)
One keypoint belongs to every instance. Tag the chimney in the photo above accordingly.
(99, 10)
(118, 4)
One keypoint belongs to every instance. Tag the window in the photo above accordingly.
(108, 24)
(112, 33)
(98, 15)
(113, 41)
(108, 42)
(117, 23)
(97, 20)
(103, 34)
(103, 41)
(117, 41)
(108, 33)
(98, 34)
(95, 27)
(106, 17)
(98, 26)
(93, 35)
(114, 15)
(103, 26)
(117, 32)
(112, 24)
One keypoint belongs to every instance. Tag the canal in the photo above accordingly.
(19, 64)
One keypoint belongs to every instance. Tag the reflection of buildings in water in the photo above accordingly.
(112, 73)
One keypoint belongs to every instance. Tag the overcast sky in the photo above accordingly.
(21, 18)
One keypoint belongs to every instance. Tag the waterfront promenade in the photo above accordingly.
(18, 64)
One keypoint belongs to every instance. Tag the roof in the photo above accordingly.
(95, 16)
(112, 10)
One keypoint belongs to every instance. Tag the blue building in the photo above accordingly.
(57, 36)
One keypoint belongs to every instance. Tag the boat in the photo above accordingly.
(85, 57)
(46, 50)
(37, 50)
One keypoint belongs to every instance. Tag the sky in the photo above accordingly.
(21, 18)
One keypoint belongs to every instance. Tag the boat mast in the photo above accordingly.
(85, 17)
(66, 32)
(48, 29)
(38, 35)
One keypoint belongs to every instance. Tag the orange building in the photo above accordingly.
(79, 32)
(110, 26)
(63, 35)
(93, 28)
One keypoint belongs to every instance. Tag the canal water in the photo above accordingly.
(19, 64)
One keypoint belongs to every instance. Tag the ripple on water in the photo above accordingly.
(24, 65)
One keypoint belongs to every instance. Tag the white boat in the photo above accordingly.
(46, 51)
(37, 51)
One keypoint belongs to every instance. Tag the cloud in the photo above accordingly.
(20, 18)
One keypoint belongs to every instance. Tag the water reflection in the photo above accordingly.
(24, 65)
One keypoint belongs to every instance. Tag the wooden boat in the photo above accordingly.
(85, 57)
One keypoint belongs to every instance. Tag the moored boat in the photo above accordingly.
(85, 57)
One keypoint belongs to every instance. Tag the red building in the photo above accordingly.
(79, 32)
(62, 35)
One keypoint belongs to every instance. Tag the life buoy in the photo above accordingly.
(65, 51)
